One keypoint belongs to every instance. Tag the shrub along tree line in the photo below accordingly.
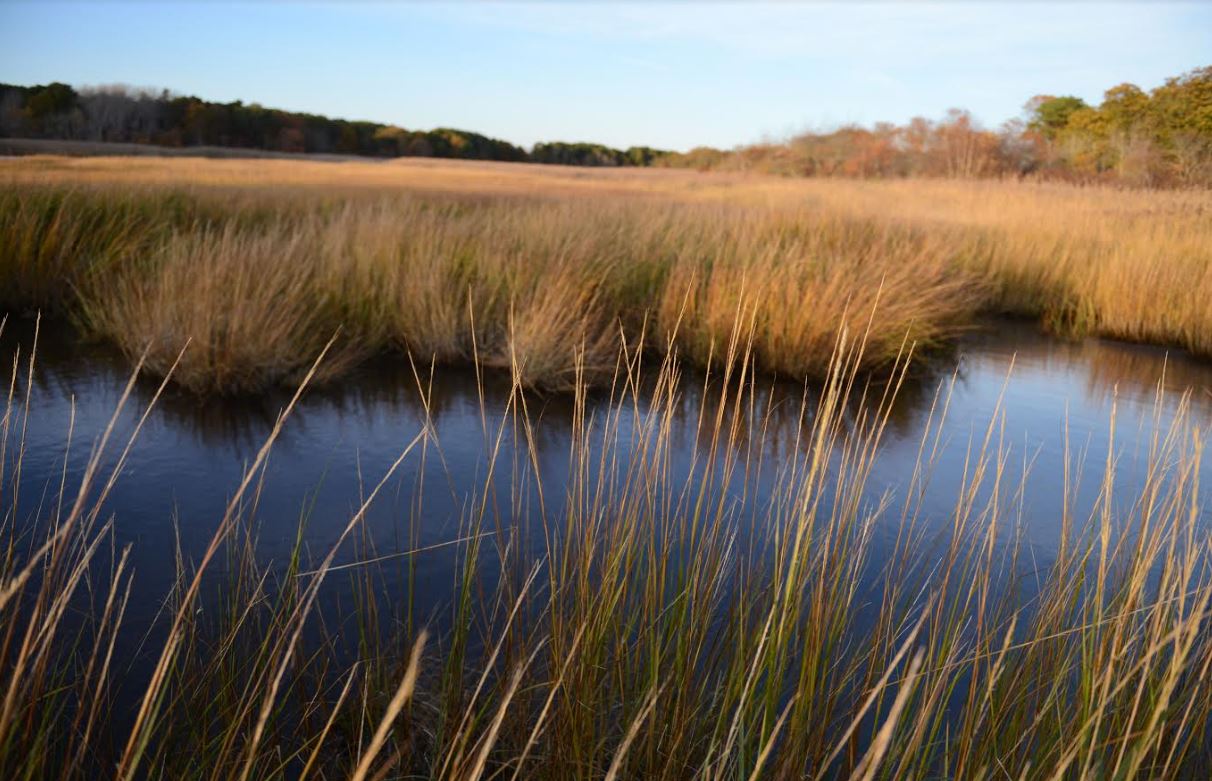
(561, 153)
(1158, 138)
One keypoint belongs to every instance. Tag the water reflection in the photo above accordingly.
(1091, 371)
(192, 452)
(1103, 367)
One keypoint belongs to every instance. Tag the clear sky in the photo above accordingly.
(674, 75)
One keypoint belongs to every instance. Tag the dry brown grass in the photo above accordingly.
(410, 174)
(530, 266)
(246, 315)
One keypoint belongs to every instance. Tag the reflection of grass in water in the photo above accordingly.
(646, 640)
(1110, 368)
(258, 262)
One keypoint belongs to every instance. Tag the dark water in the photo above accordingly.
(191, 454)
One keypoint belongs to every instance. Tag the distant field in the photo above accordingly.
(45, 146)
(546, 268)
(358, 174)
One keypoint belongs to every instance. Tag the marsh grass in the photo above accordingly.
(663, 629)
(541, 267)
(666, 627)
(548, 289)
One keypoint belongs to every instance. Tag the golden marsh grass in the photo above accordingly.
(532, 266)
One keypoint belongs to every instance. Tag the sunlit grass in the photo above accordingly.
(539, 267)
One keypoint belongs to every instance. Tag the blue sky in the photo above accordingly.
(671, 75)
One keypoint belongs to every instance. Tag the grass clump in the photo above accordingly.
(249, 307)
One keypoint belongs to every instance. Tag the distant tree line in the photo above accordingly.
(1161, 137)
(1157, 138)
(560, 153)
(119, 113)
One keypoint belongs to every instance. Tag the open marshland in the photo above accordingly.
(488, 471)
(259, 263)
